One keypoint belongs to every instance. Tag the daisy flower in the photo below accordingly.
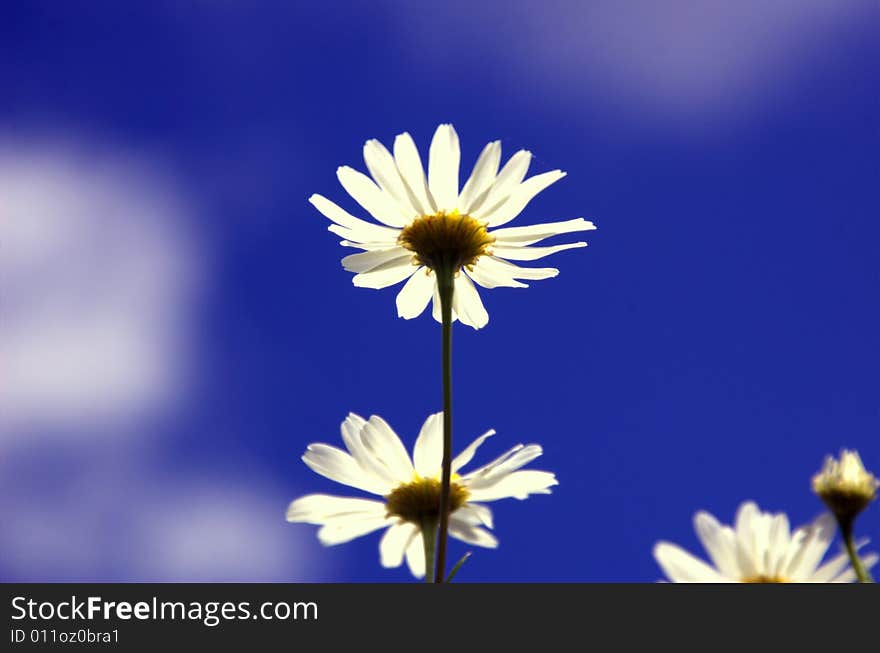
(428, 223)
(758, 549)
(377, 462)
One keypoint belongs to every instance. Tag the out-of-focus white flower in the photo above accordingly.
(759, 549)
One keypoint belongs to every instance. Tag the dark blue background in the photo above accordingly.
(720, 335)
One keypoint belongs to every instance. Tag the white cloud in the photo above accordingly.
(114, 518)
(100, 272)
(97, 273)
(680, 59)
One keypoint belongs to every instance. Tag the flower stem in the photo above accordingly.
(445, 288)
(429, 537)
(846, 531)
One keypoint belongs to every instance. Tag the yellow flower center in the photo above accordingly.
(420, 498)
(764, 579)
(446, 240)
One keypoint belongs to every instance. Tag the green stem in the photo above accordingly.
(445, 288)
(429, 537)
(846, 530)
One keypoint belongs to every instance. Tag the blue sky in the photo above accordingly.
(717, 338)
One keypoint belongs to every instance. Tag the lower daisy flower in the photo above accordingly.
(759, 549)
(377, 462)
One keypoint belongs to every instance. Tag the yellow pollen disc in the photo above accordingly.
(446, 240)
(764, 579)
(421, 498)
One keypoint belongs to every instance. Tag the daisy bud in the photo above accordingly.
(845, 485)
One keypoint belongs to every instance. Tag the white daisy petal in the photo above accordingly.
(484, 275)
(428, 451)
(681, 567)
(385, 445)
(370, 260)
(443, 163)
(393, 545)
(819, 536)
(344, 530)
(321, 508)
(519, 198)
(517, 457)
(831, 569)
(482, 177)
(745, 526)
(532, 253)
(513, 172)
(719, 542)
(352, 429)
(503, 270)
(366, 193)
(352, 227)
(415, 294)
(531, 234)
(415, 556)
(339, 466)
(384, 171)
(777, 546)
(485, 469)
(467, 454)
(406, 156)
(475, 514)
(475, 535)
(387, 274)
(516, 485)
(360, 243)
(846, 576)
(467, 303)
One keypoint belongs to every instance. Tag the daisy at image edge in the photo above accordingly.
(759, 548)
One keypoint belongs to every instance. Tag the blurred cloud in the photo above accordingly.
(101, 273)
(97, 278)
(676, 59)
(113, 518)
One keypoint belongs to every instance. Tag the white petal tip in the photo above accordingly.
(291, 515)
(659, 548)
